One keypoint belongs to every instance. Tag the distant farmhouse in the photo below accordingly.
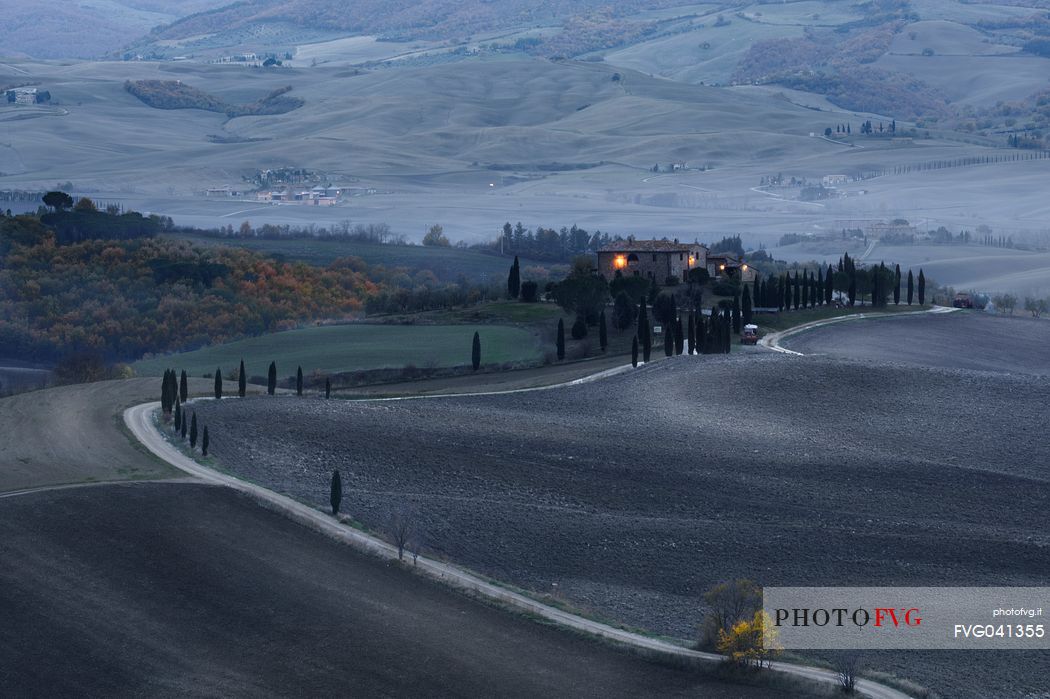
(653, 259)
(27, 95)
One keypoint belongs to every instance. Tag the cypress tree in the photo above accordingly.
(475, 352)
(328, 387)
(603, 333)
(805, 288)
(679, 336)
(193, 430)
(184, 387)
(560, 341)
(922, 288)
(335, 494)
(911, 286)
(204, 442)
(829, 285)
(177, 423)
(165, 392)
(218, 384)
(796, 292)
(813, 290)
(781, 293)
(818, 287)
(669, 339)
(735, 314)
(756, 292)
(701, 335)
(634, 351)
(514, 280)
(299, 381)
(692, 332)
(645, 335)
(183, 427)
(271, 378)
(242, 381)
(747, 310)
(727, 338)
(852, 291)
(897, 286)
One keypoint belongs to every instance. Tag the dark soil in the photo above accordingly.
(974, 340)
(190, 590)
(631, 496)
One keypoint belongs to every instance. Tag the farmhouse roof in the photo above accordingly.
(648, 246)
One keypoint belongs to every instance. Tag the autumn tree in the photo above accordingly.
(728, 603)
(435, 237)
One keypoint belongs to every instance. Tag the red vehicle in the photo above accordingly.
(962, 301)
(750, 335)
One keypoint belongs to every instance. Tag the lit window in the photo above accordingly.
(692, 260)
(619, 262)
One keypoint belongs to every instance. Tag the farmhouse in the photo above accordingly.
(653, 259)
(729, 265)
(27, 95)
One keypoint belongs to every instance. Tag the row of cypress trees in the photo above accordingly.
(559, 338)
(711, 335)
(809, 290)
(180, 427)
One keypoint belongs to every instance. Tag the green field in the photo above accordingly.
(448, 264)
(343, 348)
(782, 321)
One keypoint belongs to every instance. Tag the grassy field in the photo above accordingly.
(782, 321)
(447, 263)
(343, 348)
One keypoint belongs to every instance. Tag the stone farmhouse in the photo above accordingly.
(652, 259)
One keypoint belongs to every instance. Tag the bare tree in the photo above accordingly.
(847, 668)
(401, 524)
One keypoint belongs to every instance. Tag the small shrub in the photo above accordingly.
(530, 292)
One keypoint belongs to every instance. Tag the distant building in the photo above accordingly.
(832, 180)
(27, 95)
(652, 259)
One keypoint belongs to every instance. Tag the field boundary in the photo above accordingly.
(773, 340)
(139, 420)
